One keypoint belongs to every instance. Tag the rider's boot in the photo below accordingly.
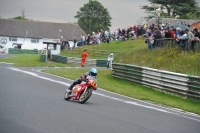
(71, 86)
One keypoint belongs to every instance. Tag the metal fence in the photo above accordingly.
(74, 60)
(58, 58)
(43, 58)
(182, 85)
(170, 43)
(91, 52)
(22, 51)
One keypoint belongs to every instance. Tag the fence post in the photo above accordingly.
(196, 46)
(186, 45)
(102, 53)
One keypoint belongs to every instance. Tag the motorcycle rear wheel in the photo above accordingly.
(85, 96)
(66, 96)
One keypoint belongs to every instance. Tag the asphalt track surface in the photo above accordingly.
(32, 102)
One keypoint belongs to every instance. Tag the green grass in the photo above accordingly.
(169, 59)
(107, 82)
(31, 60)
(136, 52)
(101, 51)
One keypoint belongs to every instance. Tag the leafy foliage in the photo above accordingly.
(93, 16)
(182, 9)
(20, 18)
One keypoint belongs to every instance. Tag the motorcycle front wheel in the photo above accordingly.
(66, 96)
(85, 96)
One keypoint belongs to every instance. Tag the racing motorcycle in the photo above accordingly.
(83, 91)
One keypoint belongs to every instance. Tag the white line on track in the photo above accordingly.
(6, 63)
(113, 98)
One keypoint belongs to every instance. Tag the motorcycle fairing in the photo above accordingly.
(77, 90)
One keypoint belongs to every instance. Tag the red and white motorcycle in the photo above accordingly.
(83, 91)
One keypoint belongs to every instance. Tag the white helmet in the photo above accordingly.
(111, 54)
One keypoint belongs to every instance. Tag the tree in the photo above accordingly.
(22, 17)
(23, 13)
(182, 9)
(93, 17)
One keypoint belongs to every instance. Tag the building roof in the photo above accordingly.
(38, 29)
(198, 22)
(173, 21)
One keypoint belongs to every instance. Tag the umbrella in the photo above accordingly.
(183, 27)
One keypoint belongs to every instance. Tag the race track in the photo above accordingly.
(32, 102)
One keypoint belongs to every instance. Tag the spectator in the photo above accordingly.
(88, 39)
(121, 37)
(81, 44)
(182, 38)
(116, 34)
(107, 40)
(167, 34)
(75, 42)
(158, 39)
(171, 31)
(83, 40)
(196, 37)
(177, 33)
(66, 45)
(149, 38)
(196, 33)
(110, 35)
(190, 36)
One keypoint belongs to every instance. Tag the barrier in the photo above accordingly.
(101, 63)
(43, 58)
(91, 52)
(88, 62)
(22, 51)
(169, 43)
(60, 59)
(181, 85)
(74, 60)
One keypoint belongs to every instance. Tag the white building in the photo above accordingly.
(26, 34)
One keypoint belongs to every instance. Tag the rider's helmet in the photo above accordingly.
(93, 72)
(111, 54)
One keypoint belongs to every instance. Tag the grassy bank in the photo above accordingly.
(101, 51)
(136, 52)
(170, 59)
(107, 82)
(31, 60)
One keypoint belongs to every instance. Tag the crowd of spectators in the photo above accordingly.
(105, 36)
(154, 35)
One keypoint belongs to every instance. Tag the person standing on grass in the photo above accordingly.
(75, 42)
(84, 56)
(110, 60)
(190, 36)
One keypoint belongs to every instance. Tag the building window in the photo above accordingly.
(13, 39)
(34, 40)
(52, 46)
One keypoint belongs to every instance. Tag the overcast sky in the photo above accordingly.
(123, 12)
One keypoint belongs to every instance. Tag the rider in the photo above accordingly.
(93, 73)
